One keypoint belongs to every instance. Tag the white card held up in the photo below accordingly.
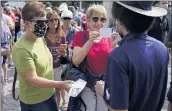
(77, 87)
(105, 32)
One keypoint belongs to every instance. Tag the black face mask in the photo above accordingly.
(40, 28)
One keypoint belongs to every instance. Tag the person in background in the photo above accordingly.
(5, 49)
(64, 3)
(137, 70)
(55, 39)
(76, 21)
(7, 21)
(69, 31)
(18, 24)
(96, 51)
(49, 10)
(34, 64)
(76, 18)
(57, 10)
(8, 12)
(48, 4)
(62, 7)
(84, 25)
(160, 27)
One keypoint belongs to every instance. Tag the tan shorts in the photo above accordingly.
(57, 74)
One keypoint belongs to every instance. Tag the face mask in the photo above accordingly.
(40, 28)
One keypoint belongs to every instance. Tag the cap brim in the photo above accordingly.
(155, 12)
(65, 17)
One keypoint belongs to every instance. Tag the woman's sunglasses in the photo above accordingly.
(66, 18)
(52, 20)
(96, 19)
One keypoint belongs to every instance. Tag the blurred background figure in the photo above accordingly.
(8, 12)
(48, 4)
(63, 7)
(68, 29)
(56, 9)
(160, 27)
(76, 18)
(18, 23)
(49, 10)
(5, 49)
(48, 7)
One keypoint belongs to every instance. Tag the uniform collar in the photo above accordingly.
(130, 36)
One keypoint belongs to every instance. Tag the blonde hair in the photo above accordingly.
(96, 9)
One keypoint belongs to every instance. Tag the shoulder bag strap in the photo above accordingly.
(13, 86)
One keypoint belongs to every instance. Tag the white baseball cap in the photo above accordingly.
(67, 14)
(64, 3)
(62, 8)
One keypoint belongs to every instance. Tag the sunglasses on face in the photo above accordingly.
(52, 20)
(96, 19)
(66, 18)
(40, 21)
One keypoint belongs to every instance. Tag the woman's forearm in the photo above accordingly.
(46, 83)
(79, 55)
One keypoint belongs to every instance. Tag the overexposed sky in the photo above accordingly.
(17, 4)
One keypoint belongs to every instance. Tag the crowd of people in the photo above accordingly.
(127, 71)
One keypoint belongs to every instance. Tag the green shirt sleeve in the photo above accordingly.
(24, 60)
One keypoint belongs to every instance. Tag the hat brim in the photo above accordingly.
(155, 12)
(66, 17)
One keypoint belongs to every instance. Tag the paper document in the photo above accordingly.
(77, 87)
(105, 32)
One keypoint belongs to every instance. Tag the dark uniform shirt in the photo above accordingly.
(137, 73)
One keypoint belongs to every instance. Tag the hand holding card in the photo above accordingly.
(105, 32)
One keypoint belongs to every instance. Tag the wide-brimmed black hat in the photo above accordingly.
(143, 7)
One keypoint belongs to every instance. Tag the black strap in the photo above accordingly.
(81, 100)
(14, 84)
(171, 66)
(85, 37)
(83, 103)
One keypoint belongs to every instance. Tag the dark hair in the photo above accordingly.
(72, 9)
(48, 4)
(132, 21)
(32, 10)
(155, 3)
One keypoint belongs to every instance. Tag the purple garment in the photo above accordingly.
(54, 49)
